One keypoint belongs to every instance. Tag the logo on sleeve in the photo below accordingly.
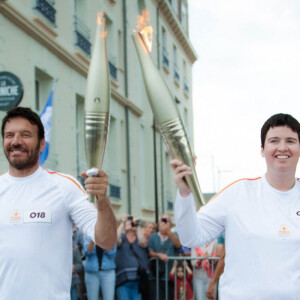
(38, 216)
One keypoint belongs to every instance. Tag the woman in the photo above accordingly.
(130, 257)
(260, 217)
(99, 271)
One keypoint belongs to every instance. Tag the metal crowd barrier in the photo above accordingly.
(167, 271)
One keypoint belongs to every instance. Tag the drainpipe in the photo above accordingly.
(157, 213)
(126, 110)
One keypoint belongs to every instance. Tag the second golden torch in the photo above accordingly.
(97, 102)
(166, 114)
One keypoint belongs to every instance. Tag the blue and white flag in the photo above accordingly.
(46, 118)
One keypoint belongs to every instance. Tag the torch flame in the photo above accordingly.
(101, 22)
(145, 31)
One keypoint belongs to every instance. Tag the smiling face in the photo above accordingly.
(281, 150)
(22, 146)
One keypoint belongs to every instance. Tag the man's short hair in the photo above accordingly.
(279, 120)
(28, 114)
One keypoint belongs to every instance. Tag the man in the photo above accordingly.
(37, 210)
(260, 216)
(162, 245)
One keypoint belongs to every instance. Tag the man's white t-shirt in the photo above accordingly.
(36, 214)
(262, 238)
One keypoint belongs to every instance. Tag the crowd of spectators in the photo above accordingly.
(139, 268)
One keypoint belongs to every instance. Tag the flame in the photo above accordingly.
(145, 31)
(100, 22)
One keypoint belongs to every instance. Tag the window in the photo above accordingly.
(37, 95)
(43, 86)
(80, 140)
(82, 32)
(111, 49)
(46, 8)
(185, 81)
(176, 72)
(120, 50)
(184, 17)
(165, 58)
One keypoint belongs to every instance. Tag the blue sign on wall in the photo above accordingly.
(11, 90)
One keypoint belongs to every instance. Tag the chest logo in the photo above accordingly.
(284, 232)
(16, 216)
(38, 216)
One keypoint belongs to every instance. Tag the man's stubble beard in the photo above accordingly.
(28, 162)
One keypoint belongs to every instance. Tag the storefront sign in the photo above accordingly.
(11, 90)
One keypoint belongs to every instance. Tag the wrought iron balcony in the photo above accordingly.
(114, 191)
(45, 7)
(113, 70)
(82, 36)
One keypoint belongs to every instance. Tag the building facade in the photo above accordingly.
(45, 40)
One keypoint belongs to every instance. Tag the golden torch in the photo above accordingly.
(97, 102)
(165, 112)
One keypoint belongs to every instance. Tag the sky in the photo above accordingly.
(248, 69)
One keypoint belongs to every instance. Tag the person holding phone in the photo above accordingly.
(163, 244)
(131, 256)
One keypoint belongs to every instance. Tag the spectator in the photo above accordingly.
(149, 229)
(78, 240)
(130, 257)
(183, 285)
(77, 267)
(161, 245)
(99, 271)
(203, 268)
(211, 290)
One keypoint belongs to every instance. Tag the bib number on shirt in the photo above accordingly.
(38, 216)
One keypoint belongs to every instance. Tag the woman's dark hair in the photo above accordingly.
(279, 120)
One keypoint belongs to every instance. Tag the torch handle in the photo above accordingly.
(178, 145)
